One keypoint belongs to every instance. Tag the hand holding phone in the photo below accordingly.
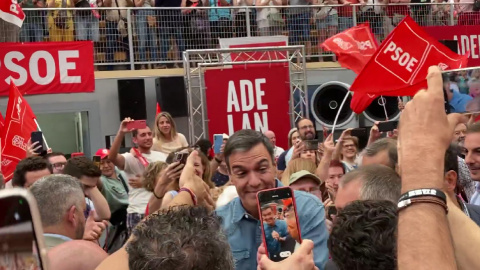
(311, 144)
(217, 143)
(181, 157)
(37, 142)
(281, 233)
(387, 126)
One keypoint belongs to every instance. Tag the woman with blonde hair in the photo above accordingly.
(297, 165)
(166, 138)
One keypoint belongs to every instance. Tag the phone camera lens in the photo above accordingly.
(16, 216)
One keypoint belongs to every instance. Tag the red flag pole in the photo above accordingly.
(39, 129)
(338, 113)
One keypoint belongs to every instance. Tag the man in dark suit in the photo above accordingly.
(452, 189)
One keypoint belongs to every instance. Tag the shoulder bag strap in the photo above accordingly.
(123, 183)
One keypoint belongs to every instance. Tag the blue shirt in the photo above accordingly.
(476, 196)
(216, 14)
(245, 234)
(280, 227)
(458, 103)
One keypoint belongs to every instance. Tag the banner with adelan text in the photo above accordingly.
(248, 98)
(47, 67)
(467, 36)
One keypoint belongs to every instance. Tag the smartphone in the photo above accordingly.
(359, 132)
(387, 126)
(462, 85)
(331, 210)
(96, 161)
(217, 143)
(21, 233)
(181, 157)
(311, 144)
(137, 124)
(37, 137)
(280, 236)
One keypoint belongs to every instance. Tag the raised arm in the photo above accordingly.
(114, 156)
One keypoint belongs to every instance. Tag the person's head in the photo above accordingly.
(364, 236)
(268, 215)
(474, 87)
(142, 138)
(306, 181)
(383, 152)
(471, 150)
(451, 170)
(152, 173)
(306, 129)
(205, 146)
(459, 134)
(292, 137)
(271, 136)
(84, 170)
(57, 161)
(184, 238)
(106, 166)
(310, 155)
(336, 171)
(76, 255)
(349, 147)
(371, 182)
(201, 164)
(165, 126)
(292, 227)
(29, 170)
(61, 204)
(297, 165)
(251, 165)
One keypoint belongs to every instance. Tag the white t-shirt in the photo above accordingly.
(138, 197)
(278, 151)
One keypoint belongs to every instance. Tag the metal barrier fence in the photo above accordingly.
(140, 38)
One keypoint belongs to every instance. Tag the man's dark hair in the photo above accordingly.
(29, 164)
(451, 158)
(300, 120)
(364, 236)
(390, 145)
(244, 140)
(184, 238)
(205, 145)
(81, 166)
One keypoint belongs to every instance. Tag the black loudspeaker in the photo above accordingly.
(326, 101)
(376, 111)
(131, 99)
(172, 95)
(451, 44)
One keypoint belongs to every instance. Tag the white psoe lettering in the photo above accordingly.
(403, 58)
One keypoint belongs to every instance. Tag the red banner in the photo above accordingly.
(47, 67)
(248, 98)
(468, 37)
(10, 11)
(19, 124)
(400, 65)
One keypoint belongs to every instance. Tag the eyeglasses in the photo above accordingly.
(306, 127)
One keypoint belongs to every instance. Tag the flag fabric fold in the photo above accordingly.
(19, 124)
(354, 47)
(400, 65)
(159, 110)
(10, 11)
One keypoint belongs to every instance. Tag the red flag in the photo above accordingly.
(10, 11)
(2, 122)
(399, 67)
(19, 124)
(158, 109)
(354, 47)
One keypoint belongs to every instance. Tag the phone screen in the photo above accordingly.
(96, 161)
(311, 144)
(278, 214)
(217, 143)
(18, 243)
(359, 132)
(461, 90)
(37, 137)
(387, 126)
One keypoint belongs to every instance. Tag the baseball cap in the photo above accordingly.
(103, 153)
(303, 174)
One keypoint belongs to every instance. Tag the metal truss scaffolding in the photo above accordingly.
(196, 62)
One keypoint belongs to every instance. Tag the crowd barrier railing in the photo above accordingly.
(141, 38)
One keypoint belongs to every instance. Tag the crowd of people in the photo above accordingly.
(161, 35)
(411, 197)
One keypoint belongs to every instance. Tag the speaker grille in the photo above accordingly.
(376, 112)
(326, 101)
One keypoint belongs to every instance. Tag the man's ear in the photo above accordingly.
(72, 214)
(450, 180)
